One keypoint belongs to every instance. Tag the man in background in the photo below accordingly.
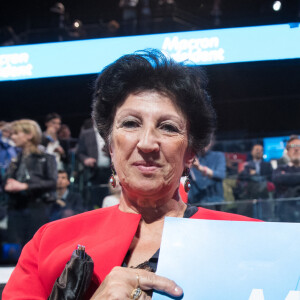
(287, 176)
(287, 181)
(96, 166)
(67, 203)
(257, 166)
(285, 159)
(254, 181)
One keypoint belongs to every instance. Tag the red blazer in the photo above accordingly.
(183, 193)
(106, 233)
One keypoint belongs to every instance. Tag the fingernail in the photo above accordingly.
(178, 290)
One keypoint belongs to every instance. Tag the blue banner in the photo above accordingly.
(205, 47)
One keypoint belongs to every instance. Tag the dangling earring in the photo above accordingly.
(112, 178)
(187, 183)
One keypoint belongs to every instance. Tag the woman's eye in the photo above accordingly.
(169, 128)
(130, 124)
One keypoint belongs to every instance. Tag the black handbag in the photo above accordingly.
(76, 277)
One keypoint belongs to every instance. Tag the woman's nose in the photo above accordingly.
(148, 141)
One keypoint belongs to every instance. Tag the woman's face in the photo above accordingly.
(54, 124)
(20, 138)
(149, 145)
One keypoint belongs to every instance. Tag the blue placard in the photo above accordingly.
(206, 47)
(232, 260)
(274, 147)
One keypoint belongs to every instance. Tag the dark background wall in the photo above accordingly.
(252, 99)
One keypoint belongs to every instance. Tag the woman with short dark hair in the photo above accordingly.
(154, 115)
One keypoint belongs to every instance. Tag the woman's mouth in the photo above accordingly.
(147, 166)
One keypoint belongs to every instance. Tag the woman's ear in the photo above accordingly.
(190, 157)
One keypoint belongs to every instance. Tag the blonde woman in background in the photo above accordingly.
(29, 182)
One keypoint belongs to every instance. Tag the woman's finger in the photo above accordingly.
(149, 281)
(120, 283)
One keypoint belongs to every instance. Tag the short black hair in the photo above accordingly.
(61, 171)
(151, 70)
(257, 144)
(52, 116)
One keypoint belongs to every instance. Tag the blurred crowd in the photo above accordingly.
(48, 175)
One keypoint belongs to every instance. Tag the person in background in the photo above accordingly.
(207, 174)
(255, 180)
(64, 135)
(8, 151)
(30, 182)
(287, 182)
(257, 166)
(51, 141)
(287, 176)
(285, 159)
(87, 124)
(69, 143)
(64, 132)
(68, 203)
(96, 166)
(7, 147)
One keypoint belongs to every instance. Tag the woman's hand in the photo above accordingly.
(52, 132)
(206, 171)
(120, 282)
(90, 162)
(14, 186)
(196, 163)
(60, 150)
